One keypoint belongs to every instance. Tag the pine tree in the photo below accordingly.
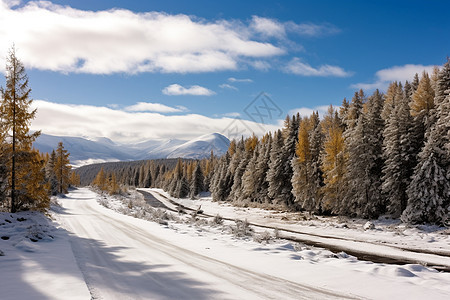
(306, 180)
(399, 154)
(355, 109)
(50, 173)
(220, 188)
(62, 168)
(275, 174)
(197, 181)
(282, 194)
(16, 118)
(429, 190)
(249, 178)
(261, 169)
(363, 196)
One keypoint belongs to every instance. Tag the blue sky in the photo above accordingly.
(198, 64)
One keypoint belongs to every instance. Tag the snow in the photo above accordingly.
(389, 237)
(37, 261)
(122, 257)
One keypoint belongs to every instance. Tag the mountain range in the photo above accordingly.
(84, 151)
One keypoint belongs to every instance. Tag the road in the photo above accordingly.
(125, 258)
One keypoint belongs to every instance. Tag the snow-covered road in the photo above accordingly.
(126, 258)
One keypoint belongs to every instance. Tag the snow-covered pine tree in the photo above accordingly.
(316, 140)
(250, 179)
(262, 168)
(245, 156)
(275, 176)
(355, 109)
(208, 173)
(197, 181)
(429, 190)
(234, 167)
(306, 181)
(290, 134)
(390, 99)
(398, 153)
(363, 181)
(220, 188)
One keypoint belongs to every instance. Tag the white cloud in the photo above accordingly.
(122, 126)
(268, 27)
(296, 66)
(195, 90)
(232, 79)
(154, 107)
(307, 111)
(63, 39)
(228, 86)
(273, 28)
(395, 73)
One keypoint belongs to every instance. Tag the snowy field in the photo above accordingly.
(388, 237)
(106, 253)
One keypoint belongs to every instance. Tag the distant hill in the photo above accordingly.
(85, 151)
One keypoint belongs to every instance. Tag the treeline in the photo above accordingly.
(378, 154)
(27, 177)
(382, 154)
(180, 177)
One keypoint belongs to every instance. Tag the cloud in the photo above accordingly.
(296, 66)
(232, 79)
(123, 126)
(272, 28)
(154, 107)
(228, 86)
(64, 39)
(195, 90)
(268, 27)
(306, 111)
(395, 73)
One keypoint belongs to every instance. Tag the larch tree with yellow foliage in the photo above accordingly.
(333, 162)
(62, 168)
(100, 180)
(15, 116)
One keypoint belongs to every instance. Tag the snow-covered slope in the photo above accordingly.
(197, 148)
(85, 151)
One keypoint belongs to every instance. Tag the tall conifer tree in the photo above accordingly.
(16, 117)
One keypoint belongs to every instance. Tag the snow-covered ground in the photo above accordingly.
(180, 257)
(36, 260)
(389, 237)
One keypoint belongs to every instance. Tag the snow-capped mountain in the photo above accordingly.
(201, 147)
(85, 151)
